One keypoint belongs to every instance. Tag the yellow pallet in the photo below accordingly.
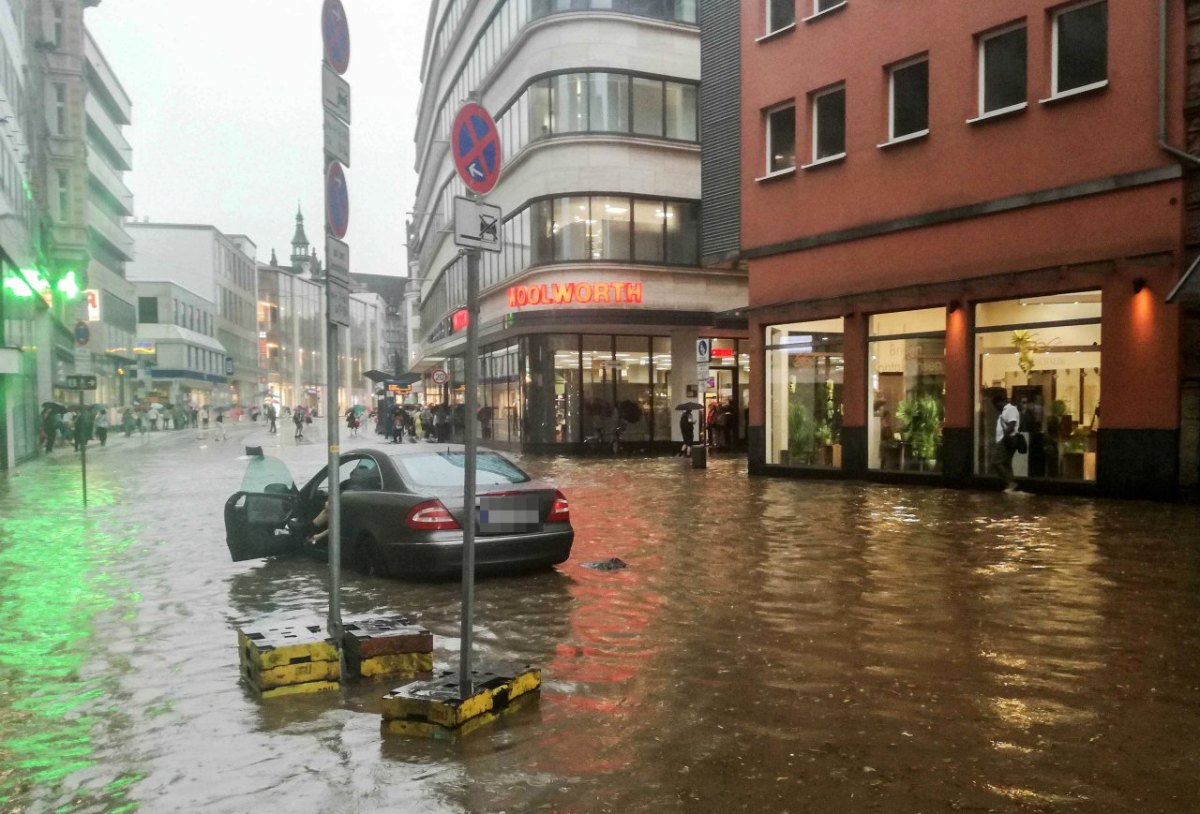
(298, 689)
(403, 664)
(424, 729)
(269, 645)
(269, 678)
(438, 702)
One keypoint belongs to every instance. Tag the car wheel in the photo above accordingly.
(366, 557)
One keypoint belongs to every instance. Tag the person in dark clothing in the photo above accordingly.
(50, 422)
(687, 428)
(83, 429)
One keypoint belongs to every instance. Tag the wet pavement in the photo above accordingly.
(773, 646)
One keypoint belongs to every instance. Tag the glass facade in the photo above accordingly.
(18, 391)
(804, 379)
(907, 390)
(1043, 354)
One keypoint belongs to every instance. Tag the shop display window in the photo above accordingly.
(552, 389)
(663, 407)
(804, 378)
(906, 390)
(1043, 354)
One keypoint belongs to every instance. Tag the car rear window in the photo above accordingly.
(445, 469)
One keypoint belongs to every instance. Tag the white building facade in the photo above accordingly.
(221, 269)
(589, 315)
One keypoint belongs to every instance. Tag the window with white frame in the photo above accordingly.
(909, 98)
(829, 123)
(780, 14)
(825, 5)
(781, 138)
(1080, 47)
(64, 194)
(1002, 66)
(60, 109)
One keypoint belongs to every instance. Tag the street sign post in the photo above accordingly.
(703, 348)
(335, 98)
(439, 376)
(82, 383)
(476, 225)
(476, 145)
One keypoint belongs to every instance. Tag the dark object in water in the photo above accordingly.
(612, 564)
(254, 452)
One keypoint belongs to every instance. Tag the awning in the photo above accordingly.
(377, 375)
(403, 380)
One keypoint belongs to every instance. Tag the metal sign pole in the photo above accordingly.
(82, 448)
(466, 688)
(335, 493)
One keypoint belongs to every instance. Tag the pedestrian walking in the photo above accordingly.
(1006, 446)
(143, 419)
(219, 432)
(51, 419)
(83, 429)
(687, 428)
(271, 415)
(352, 422)
(298, 420)
(128, 422)
(102, 425)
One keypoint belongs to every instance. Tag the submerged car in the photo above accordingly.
(402, 513)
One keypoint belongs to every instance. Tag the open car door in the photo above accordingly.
(256, 516)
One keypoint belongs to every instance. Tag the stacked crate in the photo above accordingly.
(436, 709)
(288, 658)
(389, 646)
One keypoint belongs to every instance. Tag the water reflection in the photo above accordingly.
(773, 645)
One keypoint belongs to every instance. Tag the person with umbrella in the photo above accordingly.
(352, 422)
(83, 428)
(687, 428)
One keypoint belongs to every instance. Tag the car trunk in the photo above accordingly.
(516, 508)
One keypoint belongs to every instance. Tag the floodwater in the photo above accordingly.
(772, 646)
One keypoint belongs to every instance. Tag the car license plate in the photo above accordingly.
(508, 513)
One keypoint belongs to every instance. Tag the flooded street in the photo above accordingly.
(772, 646)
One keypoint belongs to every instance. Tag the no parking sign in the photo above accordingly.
(476, 144)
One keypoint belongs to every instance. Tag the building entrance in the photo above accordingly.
(726, 397)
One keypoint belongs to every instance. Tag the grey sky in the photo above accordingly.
(227, 119)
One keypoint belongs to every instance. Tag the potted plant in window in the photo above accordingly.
(801, 433)
(920, 427)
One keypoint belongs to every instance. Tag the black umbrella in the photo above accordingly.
(629, 412)
(689, 405)
(55, 406)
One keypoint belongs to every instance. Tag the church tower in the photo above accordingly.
(302, 261)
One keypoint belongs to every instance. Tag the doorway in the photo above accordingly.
(726, 390)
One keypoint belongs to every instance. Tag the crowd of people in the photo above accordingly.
(77, 425)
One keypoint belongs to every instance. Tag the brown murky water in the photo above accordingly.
(773, 646)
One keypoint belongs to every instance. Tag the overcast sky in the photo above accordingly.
(227, 117)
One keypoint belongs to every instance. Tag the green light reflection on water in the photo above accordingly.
(55, 578)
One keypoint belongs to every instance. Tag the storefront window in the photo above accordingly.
(804, 367)
(1043, 354)
(664, 407)
(907, 387)
(598, 369)
(552, 389)
(500, 394)
(633, 387)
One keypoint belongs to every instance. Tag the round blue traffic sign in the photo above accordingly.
(476, 144)
(337, 200)
(335, 32)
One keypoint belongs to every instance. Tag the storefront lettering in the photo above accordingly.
(567, 293)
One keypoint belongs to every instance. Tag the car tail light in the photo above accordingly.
(431, 516)
(560, 509)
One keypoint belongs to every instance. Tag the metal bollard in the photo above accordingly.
(699, 457)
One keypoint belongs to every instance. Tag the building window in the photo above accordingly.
(58, 24)
(909, 99)
(60, 109)
(610, 103)
(1002, 66)
(804, 373)
(147, 310)
(780, 14)
(907, 387)
(781, 139)
(647, 107)
(1081, 47)
(64, 194)
(1043, 355)
(829, 124)
(821, 6)
(681, 111)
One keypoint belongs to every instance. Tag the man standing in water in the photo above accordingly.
(1006, 427)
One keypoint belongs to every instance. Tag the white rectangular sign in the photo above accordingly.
(337, 259)
(476, 225)
(703, 348)
(337, 139)
(701, 371)
(337, 300)
(335, 92)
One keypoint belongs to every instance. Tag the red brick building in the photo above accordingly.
(945, 201)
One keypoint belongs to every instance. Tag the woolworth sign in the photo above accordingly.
(599, 293)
